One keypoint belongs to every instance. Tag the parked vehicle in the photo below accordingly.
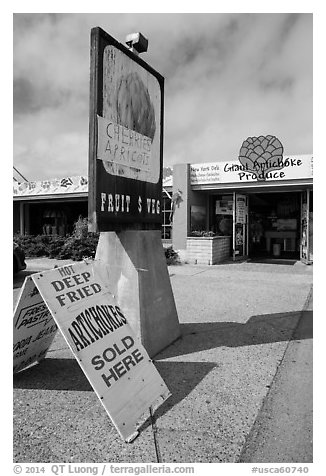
(19, 258)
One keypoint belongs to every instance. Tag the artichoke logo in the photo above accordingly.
(260, 155)
(129, 130)
(134, 107)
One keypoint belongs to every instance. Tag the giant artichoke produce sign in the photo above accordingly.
(261, 159)
(126, 124)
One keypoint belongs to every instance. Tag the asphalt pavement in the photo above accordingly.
(235, 376)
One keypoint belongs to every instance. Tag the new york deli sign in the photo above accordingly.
(287, 168)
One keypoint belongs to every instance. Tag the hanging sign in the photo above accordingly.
(126, 131)
(241, 209)
(241, 218)
(57, 186)
(105, 346)
(34, 327)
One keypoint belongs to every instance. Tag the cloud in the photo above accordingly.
(52, 142)
(227, 76)
(255, 86)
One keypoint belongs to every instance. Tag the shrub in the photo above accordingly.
(77, 246)
(55, 246)
(32, 245)
(81, 228)
(171, 256)
(203, 233)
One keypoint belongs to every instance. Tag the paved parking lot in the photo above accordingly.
(237, 322)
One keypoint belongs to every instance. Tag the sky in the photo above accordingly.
(228, 76)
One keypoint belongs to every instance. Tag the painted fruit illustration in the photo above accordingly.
(134, 107)
(261, 155)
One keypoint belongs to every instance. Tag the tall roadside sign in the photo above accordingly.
(125, 187)
(126, 138)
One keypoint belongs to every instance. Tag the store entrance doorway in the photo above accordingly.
(274, 225)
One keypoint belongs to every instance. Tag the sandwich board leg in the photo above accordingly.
(133, 264)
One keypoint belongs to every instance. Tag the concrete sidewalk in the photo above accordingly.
(236, 320)
(283, 429)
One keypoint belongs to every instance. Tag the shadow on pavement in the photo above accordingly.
(53, 374)
(66, 375)
(262, 329)
(305, 327)
(180, 377)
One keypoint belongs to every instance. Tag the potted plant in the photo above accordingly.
(207, 247)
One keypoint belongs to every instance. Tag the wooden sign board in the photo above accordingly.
(105, 346)
(34, 327)
(126, 138)
(241, 209)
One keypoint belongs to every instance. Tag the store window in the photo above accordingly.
(197, 218)
(54, 218)
(223, 215)
(54, 222)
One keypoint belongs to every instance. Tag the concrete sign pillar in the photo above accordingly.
(133, 264)
(181, 215)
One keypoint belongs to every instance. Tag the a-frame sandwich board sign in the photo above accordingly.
(33, 327)
(103, 343)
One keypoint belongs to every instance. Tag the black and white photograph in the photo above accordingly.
(162, 215)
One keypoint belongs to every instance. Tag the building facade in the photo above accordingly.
(49, 206)
(252, 215)
(211, 212)
(52, 207)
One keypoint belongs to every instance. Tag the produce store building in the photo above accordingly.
(224, 210)
(211, 212)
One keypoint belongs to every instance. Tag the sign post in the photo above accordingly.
(125, 187)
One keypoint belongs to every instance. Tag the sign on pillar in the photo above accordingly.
(125, 186)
